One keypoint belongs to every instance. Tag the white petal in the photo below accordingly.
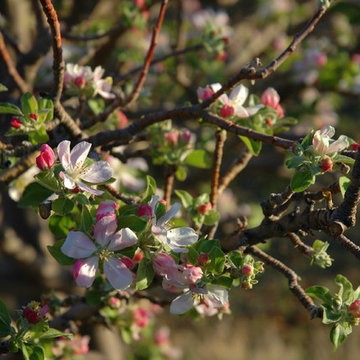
(217, 296)
(169, 214)
(87, 272)
(77, 245)
(340, 144)
(104, 228)
(153, 202)
(98, 172)
(119, 276)
(122, 239)
(252, 110)
(63, 150)
(327, 130)
(179, 237)
(239, 94)
(79, 154)
(89, 189)
(182, 304)
(224, 99)
(69, 183)
(241, 111)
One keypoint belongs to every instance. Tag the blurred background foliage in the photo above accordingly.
(319, 84)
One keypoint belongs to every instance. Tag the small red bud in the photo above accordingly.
(33, 116)
(138, 257)
(203, 259)
(76, 190)
(15, 123)
(204, 208)
(247, 269)
(354, 308)
(269, 122)
(31, 315)
(79, 81)
(145, 210)
(354, 146)
(227, 111)
(326, 164)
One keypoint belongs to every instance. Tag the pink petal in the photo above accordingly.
(79, 154)
(77, 245)
(87, 271)
(119, 276)
(63, 150)
(104, 228)
(89, 189)
(122, 239)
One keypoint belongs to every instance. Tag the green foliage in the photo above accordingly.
(144, 275)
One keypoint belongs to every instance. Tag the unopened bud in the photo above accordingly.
(227, 111)
(204, 208)
(326, 164)
(145, 210)
(203, 259)
(79, 81)
(15, 123)
(354, 308)
(247, 270)
(33, 116)
(31, 315)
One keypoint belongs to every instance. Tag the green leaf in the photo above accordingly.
(3, 88)
(193, 255)
(301, 180)
(6, 108)
(144, 275)
(321, 293)
(29, 104)
(199, 158)
(254, 146)
(86, 219)
(344, 183)
(339, 333)
(307, 141)
(61, 225)
(134, 222)
(160, 210)
(295, 162)
(94, 297)
(344, 159)
(38, 136)
(329, 316)
(217, 260)
(225, 281)
(62, 206)
(346, 292)
(96, 105)
(5, 320)
(46, 110)
(181, 173)
(150, 189)
(47, 180)
(185, 198)
(211, 217)
(235, 258)
(58, 255)
(33, 195)
(54, 333)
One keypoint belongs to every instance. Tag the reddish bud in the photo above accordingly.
(33, 116)
(271, 98)
(280, 111)
(247, 269)
(203, 259)
(163, 202)
(114, 302)
(123, 120)
(185, 136)
(76, 190)
(172, 138)
(227, 111)
(15, 123)
(326, 164)
(269, 122)
(354, 308)
(204, 93)
(141, 317)
(129, 263)
(204, 208)
(138, 257)
(354, 146)
(79, 81)
(31, 315)
(145, 210)
(46, 158)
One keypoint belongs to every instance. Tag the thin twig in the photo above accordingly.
(19, 81)
(110, 32)
(169, 183)
(304, 249)
(349, 245)
(220, 137)
(129, 200)
(142, 78)
(293, 278)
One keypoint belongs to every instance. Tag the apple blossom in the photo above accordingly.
(323, 144)
(106, 208)
(107, 240)
(213, 296)
(176, 238)
(76, 171)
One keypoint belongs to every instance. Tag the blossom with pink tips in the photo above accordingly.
(46, 158)
(271, 98)
(89, 253)
(172, 138)
(106, 208)
(323, 144)
(354, 309)
(76, 172)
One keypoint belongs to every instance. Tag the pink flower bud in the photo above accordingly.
(171, 138)
(79, 81)
(141, 317)
(320, 59)
(191, 274)
(114, 302)
(204, 93)
(15, 123)
(203, 259)
(163, 202)
(31, 315)
(163, 263)
(145, 210)
(129, 263)
(33, 116)
(227, 111)
(280, 111)
(247, 270)
(46, 158)
(269, 122)
(106, 208)
(185, 136)
(326, 164)
(271, 98)
(204, 208)
(75, 190)
(354, 308)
